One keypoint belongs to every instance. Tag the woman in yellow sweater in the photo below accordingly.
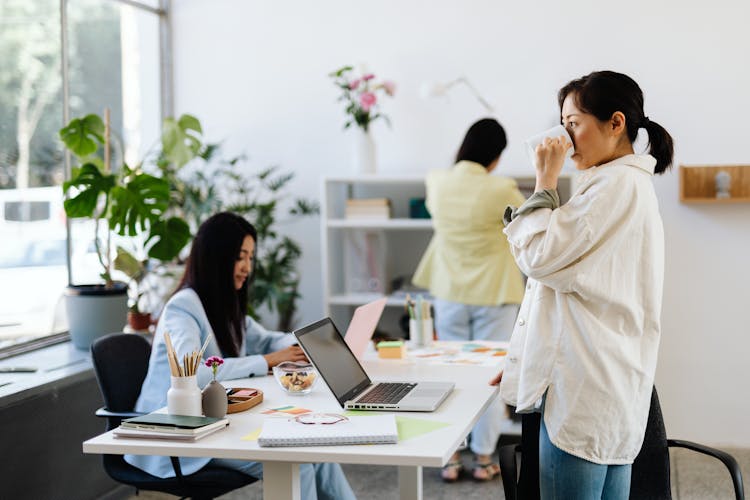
(468, 266)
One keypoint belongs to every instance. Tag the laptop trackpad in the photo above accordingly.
(432, 392)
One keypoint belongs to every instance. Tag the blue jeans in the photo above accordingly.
(317, 481)
(462, 322)
(563, 476)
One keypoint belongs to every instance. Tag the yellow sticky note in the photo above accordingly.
(253, 436)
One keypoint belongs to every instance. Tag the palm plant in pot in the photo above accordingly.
(132, 203)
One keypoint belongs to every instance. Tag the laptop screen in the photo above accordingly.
(333, 359)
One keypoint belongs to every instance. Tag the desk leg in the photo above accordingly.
(281, 481)
(410, 482)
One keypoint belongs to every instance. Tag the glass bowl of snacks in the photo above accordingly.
(295, 377)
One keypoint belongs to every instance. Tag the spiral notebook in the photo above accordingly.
(376, 429)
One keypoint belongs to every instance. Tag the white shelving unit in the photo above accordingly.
(405, 240)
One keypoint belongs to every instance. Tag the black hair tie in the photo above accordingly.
(645, 122)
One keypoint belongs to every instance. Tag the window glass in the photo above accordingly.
(113, 59)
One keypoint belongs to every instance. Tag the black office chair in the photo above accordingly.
(650, 475)
(120, 363)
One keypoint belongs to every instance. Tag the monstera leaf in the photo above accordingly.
(137, 203)
(171, 236)
(90, 183)
(180, 139)
(128, 264)
(81, 135)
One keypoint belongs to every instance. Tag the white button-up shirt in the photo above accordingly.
(588, 329)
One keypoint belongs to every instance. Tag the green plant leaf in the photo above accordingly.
(189, 122)
(139, 201)
(304, 207)
(171, 236)
(128, 264)
(279, 182)
(81, 135)
(89, 183)
(181, 140)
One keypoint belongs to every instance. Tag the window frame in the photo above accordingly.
(166, 99)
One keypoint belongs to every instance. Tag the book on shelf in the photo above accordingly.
(173, 425)
(337, 430)
(368, 208)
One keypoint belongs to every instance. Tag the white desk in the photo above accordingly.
(461, 409)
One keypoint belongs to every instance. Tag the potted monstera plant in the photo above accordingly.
(131, 203)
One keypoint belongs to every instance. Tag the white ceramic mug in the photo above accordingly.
(554, 133)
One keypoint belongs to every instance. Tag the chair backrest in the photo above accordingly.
(650, 474)
(120, 363)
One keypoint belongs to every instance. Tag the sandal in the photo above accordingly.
(452, 471)
(485, 472)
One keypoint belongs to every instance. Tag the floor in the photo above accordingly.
(694, 477)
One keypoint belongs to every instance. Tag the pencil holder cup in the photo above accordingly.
(420, 332)
(184, 397)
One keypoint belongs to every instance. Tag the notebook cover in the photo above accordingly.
(167, 420)
(376, 429)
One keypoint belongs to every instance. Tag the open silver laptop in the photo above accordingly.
(344, 375)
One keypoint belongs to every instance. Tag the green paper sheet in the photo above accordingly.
(408, 427)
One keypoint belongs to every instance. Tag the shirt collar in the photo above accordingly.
(647, 163)
(470, 167)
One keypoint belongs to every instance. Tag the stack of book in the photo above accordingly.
(368, 208)
(165, 426)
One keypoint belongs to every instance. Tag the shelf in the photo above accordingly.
(407, 224)
(377, 179)
(698, 184)
(358, 299)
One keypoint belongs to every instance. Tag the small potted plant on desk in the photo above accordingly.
(132, 203)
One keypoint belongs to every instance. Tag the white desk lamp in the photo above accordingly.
(433, 89)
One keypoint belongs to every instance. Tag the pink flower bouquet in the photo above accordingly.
(361, 96)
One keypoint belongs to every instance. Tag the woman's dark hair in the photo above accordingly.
(602, 93)
(210, 272)
(484, 142)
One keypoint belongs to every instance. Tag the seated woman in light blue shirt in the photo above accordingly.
(210, 302)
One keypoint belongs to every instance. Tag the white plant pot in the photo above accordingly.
(364, 152)
(94, 311)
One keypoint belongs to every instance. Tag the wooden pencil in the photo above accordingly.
(173, 365)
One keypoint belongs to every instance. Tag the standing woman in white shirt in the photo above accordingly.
(584, 348)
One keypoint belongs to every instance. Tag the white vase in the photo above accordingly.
(364, 152)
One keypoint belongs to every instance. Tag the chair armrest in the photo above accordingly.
(728, 460)
(105, 413)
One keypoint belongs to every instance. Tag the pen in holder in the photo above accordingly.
(420, 321)
(183, 396)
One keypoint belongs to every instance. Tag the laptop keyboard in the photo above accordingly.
(387, 393)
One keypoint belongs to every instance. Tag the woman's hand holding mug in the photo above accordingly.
(547, 152)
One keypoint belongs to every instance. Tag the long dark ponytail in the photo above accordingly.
(602, 93)
(210, 273)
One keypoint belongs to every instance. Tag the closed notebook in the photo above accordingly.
(124, 432)
(376, 429)
(174, 424)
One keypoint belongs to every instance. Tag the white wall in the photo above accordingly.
(255, 73)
